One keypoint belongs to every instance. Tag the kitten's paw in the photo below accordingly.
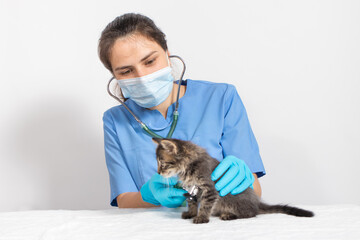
(200, 219)
(228, 216)
(187, 215)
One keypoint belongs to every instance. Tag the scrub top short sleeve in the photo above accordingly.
(118, 171)
(238, 138)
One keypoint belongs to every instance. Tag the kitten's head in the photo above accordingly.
(173, 155)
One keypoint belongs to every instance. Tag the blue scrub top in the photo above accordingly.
(211, 115)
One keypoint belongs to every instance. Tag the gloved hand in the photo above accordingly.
(159, 190)
(237, 178)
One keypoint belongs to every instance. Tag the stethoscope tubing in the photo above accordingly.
(175, 113)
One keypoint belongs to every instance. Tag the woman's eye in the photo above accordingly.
(125, 72)
(150, 61)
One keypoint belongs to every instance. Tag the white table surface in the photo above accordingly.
(330, 222)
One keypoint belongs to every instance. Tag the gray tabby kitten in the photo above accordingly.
(193, 166)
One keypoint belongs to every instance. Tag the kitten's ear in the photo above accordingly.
(168, 145)
(156, 140)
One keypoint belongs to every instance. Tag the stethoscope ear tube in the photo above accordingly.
(122, 103)
(180, 80)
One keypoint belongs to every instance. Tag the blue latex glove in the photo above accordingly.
(237, 178)
(159, 190)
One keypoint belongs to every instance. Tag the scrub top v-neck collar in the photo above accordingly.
(153, 118)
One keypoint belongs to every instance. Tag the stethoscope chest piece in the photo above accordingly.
(191, 193)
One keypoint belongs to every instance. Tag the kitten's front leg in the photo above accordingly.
(208, 199)
(192, 210)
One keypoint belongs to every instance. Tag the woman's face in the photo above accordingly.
(136, 56)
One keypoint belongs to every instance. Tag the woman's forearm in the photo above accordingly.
(132, 200)
(256, 185)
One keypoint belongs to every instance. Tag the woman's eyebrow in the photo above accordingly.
(144, 58)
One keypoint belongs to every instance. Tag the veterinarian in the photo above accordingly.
(209, 114)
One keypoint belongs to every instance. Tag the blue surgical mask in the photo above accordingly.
(149, 90)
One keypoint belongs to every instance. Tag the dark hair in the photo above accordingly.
(129, 23)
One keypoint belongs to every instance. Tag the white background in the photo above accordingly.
(295, 64)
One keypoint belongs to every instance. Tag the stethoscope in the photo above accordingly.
(175, 113)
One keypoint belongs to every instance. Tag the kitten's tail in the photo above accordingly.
(265, 208)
